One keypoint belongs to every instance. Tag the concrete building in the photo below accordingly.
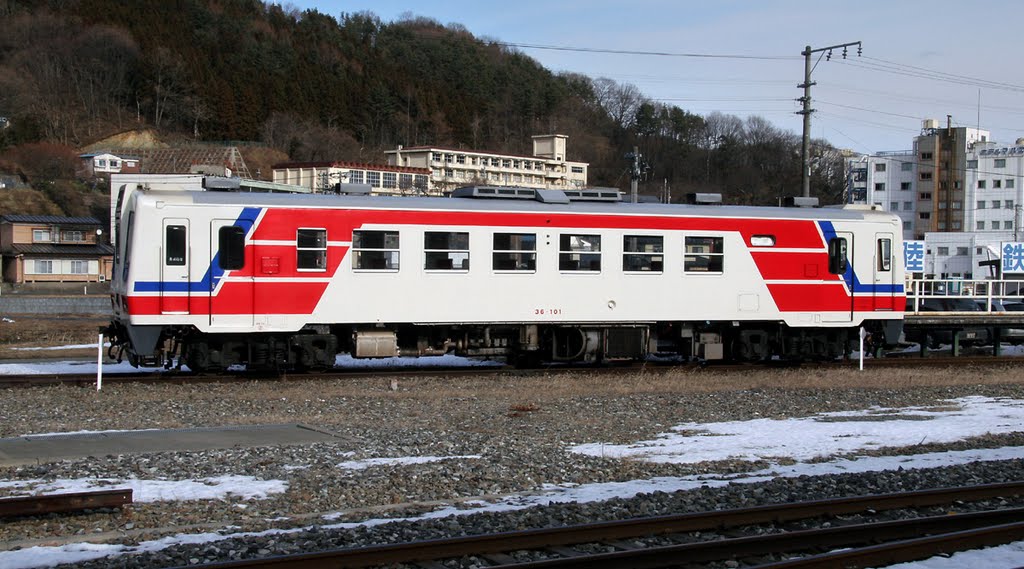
(995, 174)
(451, 168)
(382, 179)
(886, 179)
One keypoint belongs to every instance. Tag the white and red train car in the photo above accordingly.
(218, 278)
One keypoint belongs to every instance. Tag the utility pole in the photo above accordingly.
(634, 173)
(807, 110)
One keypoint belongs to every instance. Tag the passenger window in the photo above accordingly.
(446, 250)
(175, 245)
(579, 253)
(643, 253)
(375, 250)
(704, 255)
(884, 254)
(231, 247)
(311, 249)
(515, 252)
(837, 256)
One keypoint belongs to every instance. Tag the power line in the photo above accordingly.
(639, 52)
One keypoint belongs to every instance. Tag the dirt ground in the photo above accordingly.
(37, 331)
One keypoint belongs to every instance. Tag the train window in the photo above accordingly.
(446, 250)
(231, 247)
(884, 254)
(375, 250)
(174, 243)
(579, 252)
(311, 249)
(515, 252)
(704, 255)
(643, 253)
(837, 255)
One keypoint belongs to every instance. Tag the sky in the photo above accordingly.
(806, 446)
(920, 59)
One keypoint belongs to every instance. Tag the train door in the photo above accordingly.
(841, 258)
(230, 279)
(884, 289)
(174, 267)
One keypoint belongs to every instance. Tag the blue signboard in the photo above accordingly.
(1012, 257)
(913, 256)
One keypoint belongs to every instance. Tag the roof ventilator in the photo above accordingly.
(541, 195)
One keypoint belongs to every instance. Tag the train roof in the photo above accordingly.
(257, 199)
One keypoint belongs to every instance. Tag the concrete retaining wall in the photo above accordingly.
(40, 304)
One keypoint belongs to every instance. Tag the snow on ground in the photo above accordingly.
(793, 447)
(369, 462)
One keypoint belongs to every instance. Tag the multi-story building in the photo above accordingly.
(382, 179)
(50, 248)
(942, 175)
(885, 179)
(995, 174)
(451, 168)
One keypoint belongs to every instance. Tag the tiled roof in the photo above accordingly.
(92, 249)
(56, 219)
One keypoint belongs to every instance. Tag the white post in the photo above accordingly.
(862, 335)
(99, 364)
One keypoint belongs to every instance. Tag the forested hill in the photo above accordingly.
(348, 86)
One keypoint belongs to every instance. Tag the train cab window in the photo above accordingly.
(311, 249)
(375, 250)
(515, 252)
(885, 254)
(579, 252)
(837, 255)
(446, 250)
(643, 253)
(231, 247)
(175, 245)
(704, 255)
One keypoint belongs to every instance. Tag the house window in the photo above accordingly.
(997, 184)
(420, 181)
(643, 253)
(973, 164)
(1009, 183)
(579, 252)
(904, 185)
(355, 176)
(373, 178)
(577, 169)
(74, 236)
(405, 181)
(981, 184)
(995, 204)
(906, 166)
(906, 226)
(115, 163)
(981, 204)
(79, 267)
(448, 158)
(944, 251)
(894, 206)
(999, 163)
(962, 250)
(908, 205)
(506, 163)
(880, 186)
(925, 196)
(516, 164)
(375, 250)
(101, 162)
(924, 215)
(926, 156)
(41, 236)
(1009, 204)
(958, 205)
(926, 176)
(515, 252)
(390, 180)
(1007, 225)
(981, 225)
(880, 167)
(436, 157)
(449, 173)
(446, 251)
(704, 255)
(311, 249)
(460, 159)
(44, 267)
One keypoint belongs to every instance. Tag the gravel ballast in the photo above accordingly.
(520, 427)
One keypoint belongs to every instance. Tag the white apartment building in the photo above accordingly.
(995, 174)
(885, 179)
(382, 179)
(451, 168)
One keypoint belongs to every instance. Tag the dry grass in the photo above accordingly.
(32, 331)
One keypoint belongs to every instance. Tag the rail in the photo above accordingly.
(557, 541)
(21, 506)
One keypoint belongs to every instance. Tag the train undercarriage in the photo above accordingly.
(525, 345)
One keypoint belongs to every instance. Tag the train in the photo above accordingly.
(210, 278)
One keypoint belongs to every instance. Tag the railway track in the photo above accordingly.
(89, 379)
(691, 539)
